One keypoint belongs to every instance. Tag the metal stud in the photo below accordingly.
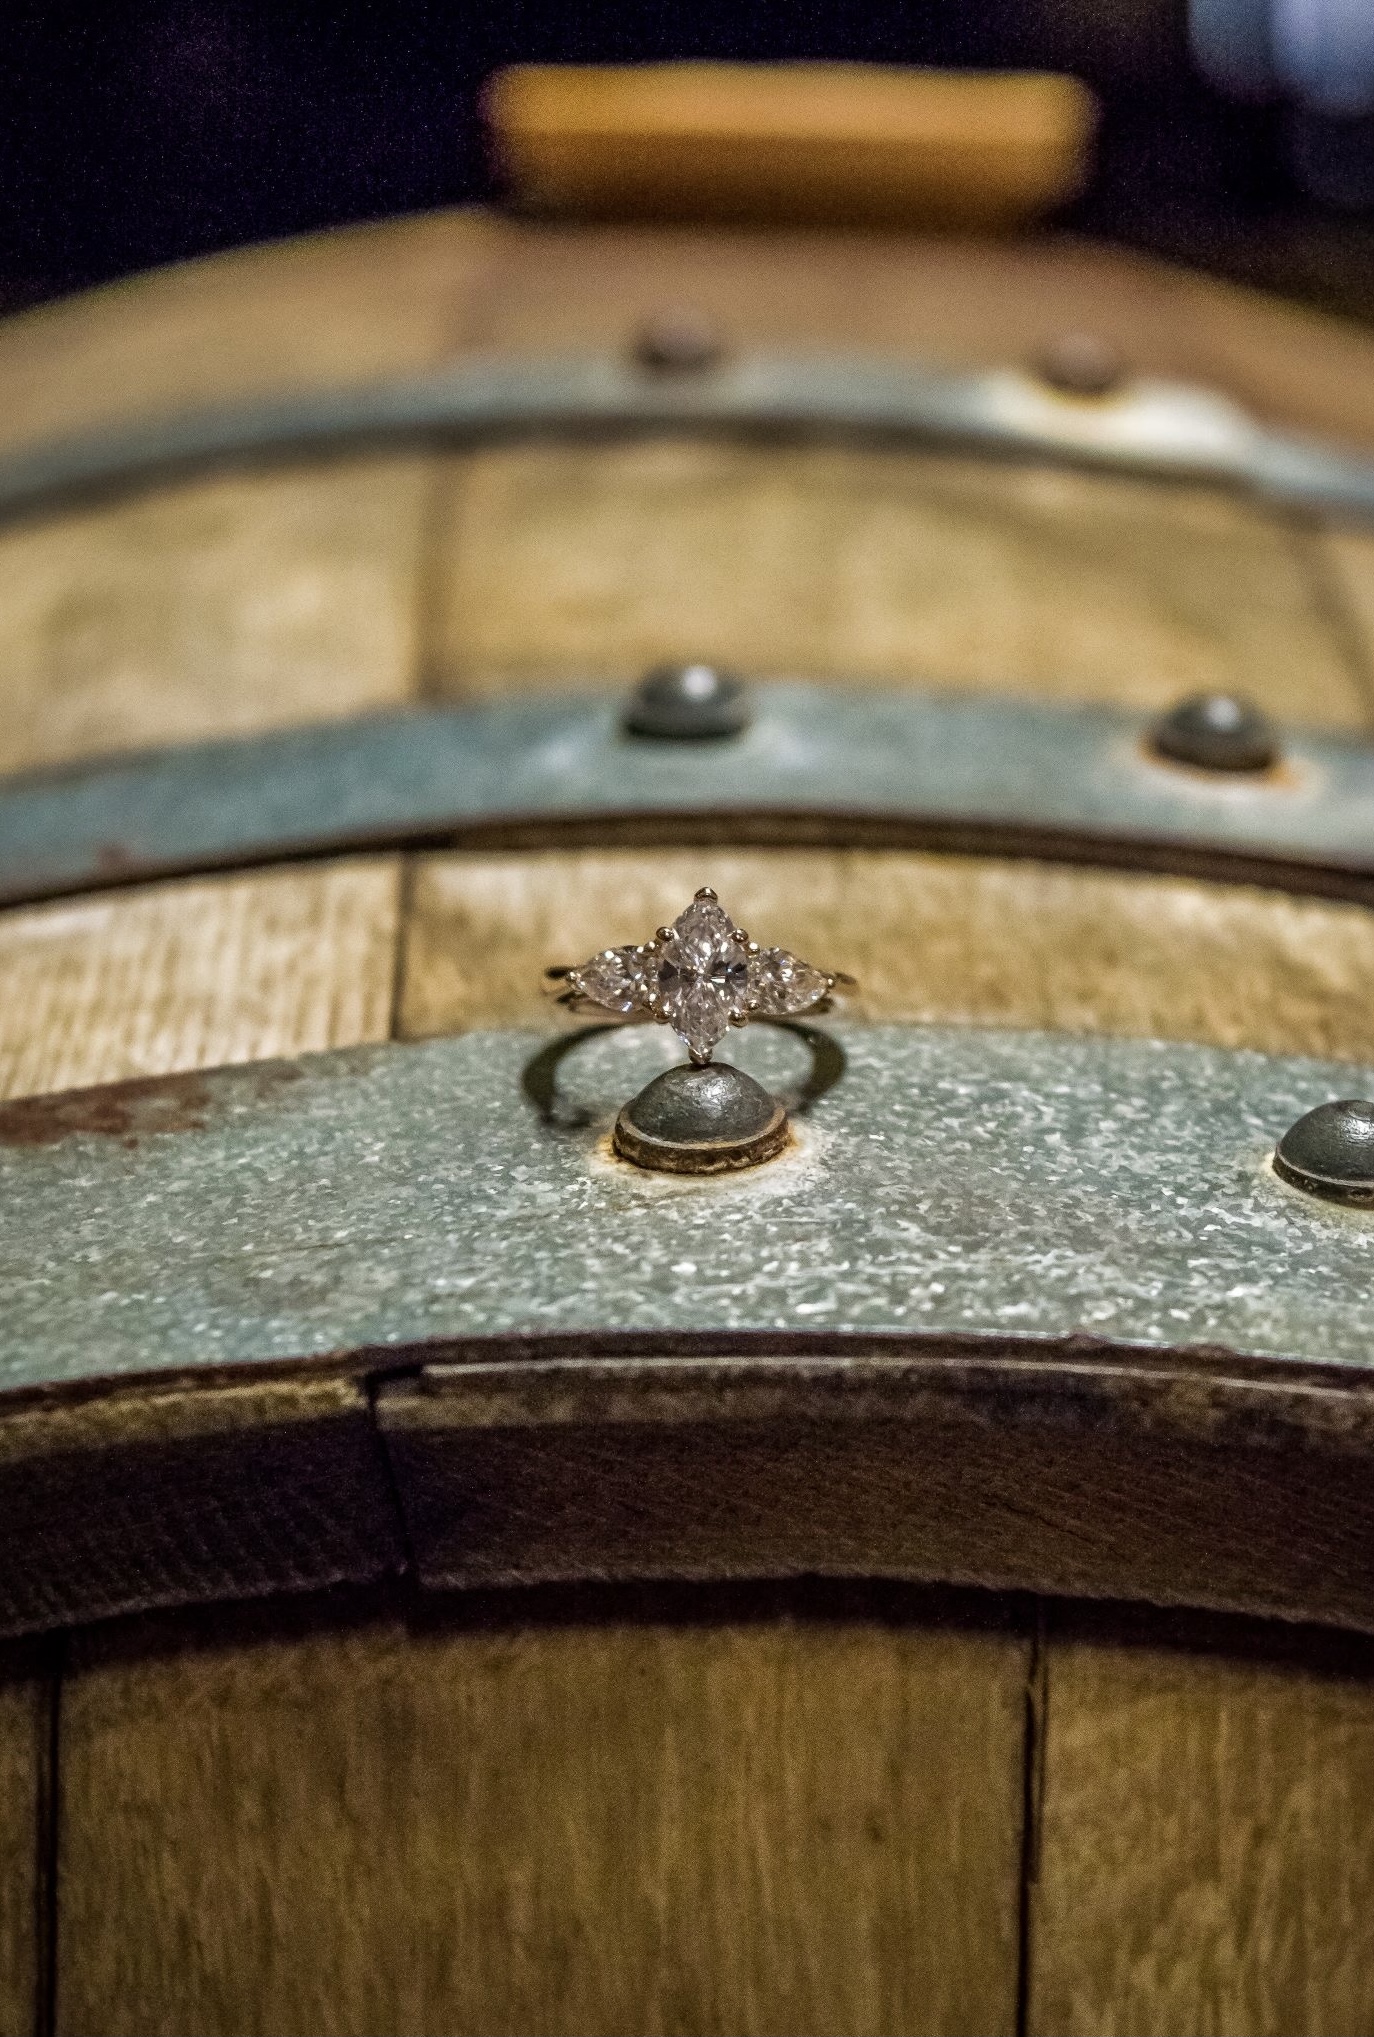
(1330, 1152)
(1080, 364)
(678, 341)
(687, 703)
(1217, 732)
(711, 1120)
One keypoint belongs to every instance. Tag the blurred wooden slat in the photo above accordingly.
(215, 607)
(604, 1825)
(192, 975)
(849, 144)
(342, 306)
(1289, 364)
(929, 938)
(1347, 559)
(570, 562)
(24, 1735)
(1207, 1848)
(390, 297)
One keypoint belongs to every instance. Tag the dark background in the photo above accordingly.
(158, 129)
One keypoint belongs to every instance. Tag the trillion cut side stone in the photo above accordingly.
(614, 978)
(780, 984)
(701, 975)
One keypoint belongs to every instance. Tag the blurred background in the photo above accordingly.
(1236, 134)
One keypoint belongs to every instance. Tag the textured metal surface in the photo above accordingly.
(979, 772)
(1145, 426)
(1007, 1185)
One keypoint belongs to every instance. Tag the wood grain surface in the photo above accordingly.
(1345, 559)
(167, 1494)
(219, 606)
(156, 1496)
(1082, 1472)
(584, 562)
(943, 939)
(25, 1691)
(591, 1823)
(1207, 1845)
(196, 974)
(347, 305)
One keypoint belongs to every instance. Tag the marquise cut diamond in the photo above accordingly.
(701, 975)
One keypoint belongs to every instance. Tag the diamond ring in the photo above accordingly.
(700, 976)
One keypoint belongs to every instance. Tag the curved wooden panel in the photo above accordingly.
(602, 560)
(1206, 1853)
(189, 976)
(362, 302)
(329, 307)
(518, 1821)
(218, 606)
(26, 1718)
(943, 939)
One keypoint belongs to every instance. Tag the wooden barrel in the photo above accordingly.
(454, 1585)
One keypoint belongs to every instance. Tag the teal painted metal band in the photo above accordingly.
(456, 1197)
(839, 762)
(1159, 428)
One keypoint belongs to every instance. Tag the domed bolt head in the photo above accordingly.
(1217, 732)
(687, 702)
(712, 1120)
(1080, 364)
(1330, 1152)
(678, 342)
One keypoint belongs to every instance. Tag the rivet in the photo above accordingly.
(1330, 1152)
(686, 702)
(711, 1120)
(1217, 732)
(1080, 364)
(680, 341)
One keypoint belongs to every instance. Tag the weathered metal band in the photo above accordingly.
(1148, 427)
(1018, 1310)
(815, 763)
(394, 1200)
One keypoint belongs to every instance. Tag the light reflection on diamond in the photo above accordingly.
(780, 984)
(701, 977)
(614, 978)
